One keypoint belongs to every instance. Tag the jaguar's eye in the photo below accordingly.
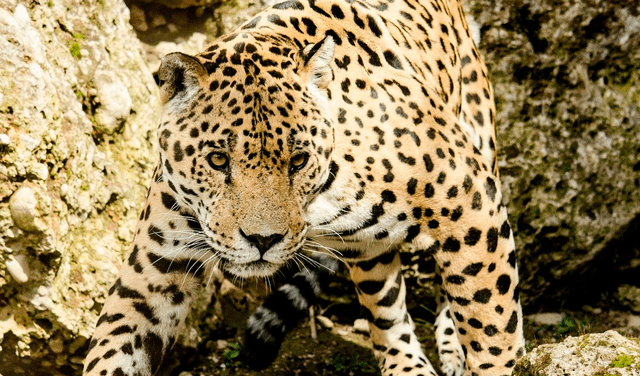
(218, 161)
(298, 161)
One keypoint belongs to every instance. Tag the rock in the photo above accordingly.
(629, 297)
(42, 299)
(222, 344)
(189, 29)
(114, 99)
(24, 210)
(565, 77)
(634, 321)
(157, 20)
(18, 267)
(474, 28)
(56, 345)
(29, 142)
(595, 311)
(39, 171)
(191, 45)
(546, 318)
(606, 353)
(325, 322)
(78, 110)
(186, 3)
(138, 19)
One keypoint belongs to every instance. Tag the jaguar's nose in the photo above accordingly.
(263, 243)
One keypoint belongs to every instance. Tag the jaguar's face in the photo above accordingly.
(246, 150)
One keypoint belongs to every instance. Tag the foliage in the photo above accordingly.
(231, 356)
(570, 326)
(622, 361)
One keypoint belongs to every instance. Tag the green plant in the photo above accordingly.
(231, 356)
(428, 309)
(622, 361)
(423, 322)
(570, 326)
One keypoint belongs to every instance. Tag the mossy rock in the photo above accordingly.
(566, 78)
(599, 354)
(70, 192)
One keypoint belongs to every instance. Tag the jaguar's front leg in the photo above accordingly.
(480, 277)
(450, 352)
(138, 323)
(381, 290)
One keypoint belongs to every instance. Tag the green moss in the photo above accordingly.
(75, 50)
(622, 361)
(543, 362)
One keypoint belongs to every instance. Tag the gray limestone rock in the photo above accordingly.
(78, 109)
(606, 353)
(629, 297)
(566, 78)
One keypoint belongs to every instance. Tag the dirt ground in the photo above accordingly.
(341, 351)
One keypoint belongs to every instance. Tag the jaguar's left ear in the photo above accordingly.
(315, 62)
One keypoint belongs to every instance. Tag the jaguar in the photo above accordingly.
(354, 128)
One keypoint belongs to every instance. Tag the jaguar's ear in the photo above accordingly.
(316, 60)
(179, 77)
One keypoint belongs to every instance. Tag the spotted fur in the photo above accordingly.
(282, 311)
(350, 127)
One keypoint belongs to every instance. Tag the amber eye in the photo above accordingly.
(218, 161)
(298, 161)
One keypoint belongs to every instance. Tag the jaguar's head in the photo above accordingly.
(245, 143)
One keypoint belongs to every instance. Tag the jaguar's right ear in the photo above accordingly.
(179, 77)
